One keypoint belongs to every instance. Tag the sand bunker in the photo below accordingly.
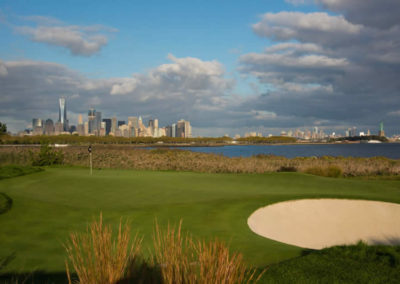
(319, 223)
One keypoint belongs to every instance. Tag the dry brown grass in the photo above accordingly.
(97, 258)
(184, 260)
(125, 157)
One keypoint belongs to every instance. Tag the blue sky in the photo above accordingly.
(147, 32)
(128, 43)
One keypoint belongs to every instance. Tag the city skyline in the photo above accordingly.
(96, 125)
(227, 67)
(136, 127)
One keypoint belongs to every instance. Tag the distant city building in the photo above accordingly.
(36, 122)
(58, 128)
(81, 129)
(62, 114)
(92, 125)
(49, 127)
(114, 125)
(80, 119)
(183, 129)
(121, 122)
(381, 131)
(98, 122)
(107, 123)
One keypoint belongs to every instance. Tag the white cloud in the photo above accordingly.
(127, 86)
(3, 69)
(79, 40)
(262, 114)
(394, 113)
(306, 27)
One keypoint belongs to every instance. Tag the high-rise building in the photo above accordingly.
(168, 131)
(113, 125)
(107, 122)
(49, 127)
(92, 125)
(173, 130)
(98, 122)
(133, 121)
(80, 119)
(62, 113)
(381, 131)
(37, 126)
(121, 122)
(58, 128)
(183, 129)
(36, 122)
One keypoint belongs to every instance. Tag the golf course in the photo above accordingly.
(48, 205)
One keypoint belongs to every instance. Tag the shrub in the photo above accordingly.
(98, 258)
(183, 260)
(331, 171)
(287, 169)
(47, 156)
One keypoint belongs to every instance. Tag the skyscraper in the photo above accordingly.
(113, 125)
(62, 113)
(91, 121)
(36, 122)
(107, 122)
(183, 129)
(381, 131)
(98, 121)
(49, 127)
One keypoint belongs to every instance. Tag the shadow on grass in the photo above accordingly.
(37, 277)
(5, 203)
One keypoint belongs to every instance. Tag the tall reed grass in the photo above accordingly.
(184, 260)
(178, 258)
(124, 157)
(97, 257)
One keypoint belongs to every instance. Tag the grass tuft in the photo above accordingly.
(97, 258)
(331, 171)
(184, 260)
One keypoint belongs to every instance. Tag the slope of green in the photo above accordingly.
(50, 204)
(13, 171)
(342, 264)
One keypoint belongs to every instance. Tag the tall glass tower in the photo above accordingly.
(62, 113)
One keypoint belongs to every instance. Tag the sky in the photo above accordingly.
(229, 67)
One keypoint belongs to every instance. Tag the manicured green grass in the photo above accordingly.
(13, 171)
(48, 205)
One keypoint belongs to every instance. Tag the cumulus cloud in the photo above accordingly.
(381, 14)
(189, 77)
(327, 68)
(187, 88)
(262, 114)
(304, 27)
(79, 40)
(3, 69)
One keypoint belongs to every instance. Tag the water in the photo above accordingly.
(389, 150)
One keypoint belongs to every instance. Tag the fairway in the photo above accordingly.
(48, 205)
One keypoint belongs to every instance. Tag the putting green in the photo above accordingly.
(50, 204)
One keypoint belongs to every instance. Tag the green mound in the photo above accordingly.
(342, 264)
(14, 171)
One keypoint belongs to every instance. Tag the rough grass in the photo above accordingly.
(342, 264)
(123, 157)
